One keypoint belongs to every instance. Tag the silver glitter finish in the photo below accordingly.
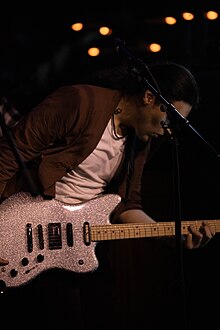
(47, 225)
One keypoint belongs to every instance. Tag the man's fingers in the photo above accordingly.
(197, 238)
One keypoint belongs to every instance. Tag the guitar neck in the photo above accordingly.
(140, 230)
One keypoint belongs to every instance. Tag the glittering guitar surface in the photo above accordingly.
(38, 234)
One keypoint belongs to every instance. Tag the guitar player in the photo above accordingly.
(86, 140)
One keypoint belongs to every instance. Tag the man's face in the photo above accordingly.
(151, 119)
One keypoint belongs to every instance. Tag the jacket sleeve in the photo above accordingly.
(36, 132)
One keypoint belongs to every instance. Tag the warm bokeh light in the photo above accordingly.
(93, 31)
(93, 51)
(105, 31)
(188, 16)
(212, 15)
(77, 26)
(154, 48)
(170, 20)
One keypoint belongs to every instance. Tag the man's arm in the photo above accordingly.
(194, 239)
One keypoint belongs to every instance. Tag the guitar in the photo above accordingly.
(38, 234)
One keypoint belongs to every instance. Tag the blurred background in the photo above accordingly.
(42, 48)
(47, 45)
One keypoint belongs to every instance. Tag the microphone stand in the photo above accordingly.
(181, 297)
(141, 70)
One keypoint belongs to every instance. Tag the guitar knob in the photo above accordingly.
(13, 272)
(24, 261)
(40, 258)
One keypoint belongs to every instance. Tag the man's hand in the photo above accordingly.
(198, 238)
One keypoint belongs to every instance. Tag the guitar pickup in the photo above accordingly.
(55, 238)
(69, 234)
(40, 236)
(29, 232)
(86, 233)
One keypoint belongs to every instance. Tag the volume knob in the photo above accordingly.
(13, 272)
(40, 258)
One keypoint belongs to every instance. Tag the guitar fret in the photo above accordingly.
(140, 230)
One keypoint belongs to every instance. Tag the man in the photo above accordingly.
(78, 128)
(86, 140)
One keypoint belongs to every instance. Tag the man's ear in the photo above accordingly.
(148, 97)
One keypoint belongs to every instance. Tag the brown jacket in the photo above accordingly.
(59, 134)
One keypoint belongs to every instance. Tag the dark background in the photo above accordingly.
(137, 284)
